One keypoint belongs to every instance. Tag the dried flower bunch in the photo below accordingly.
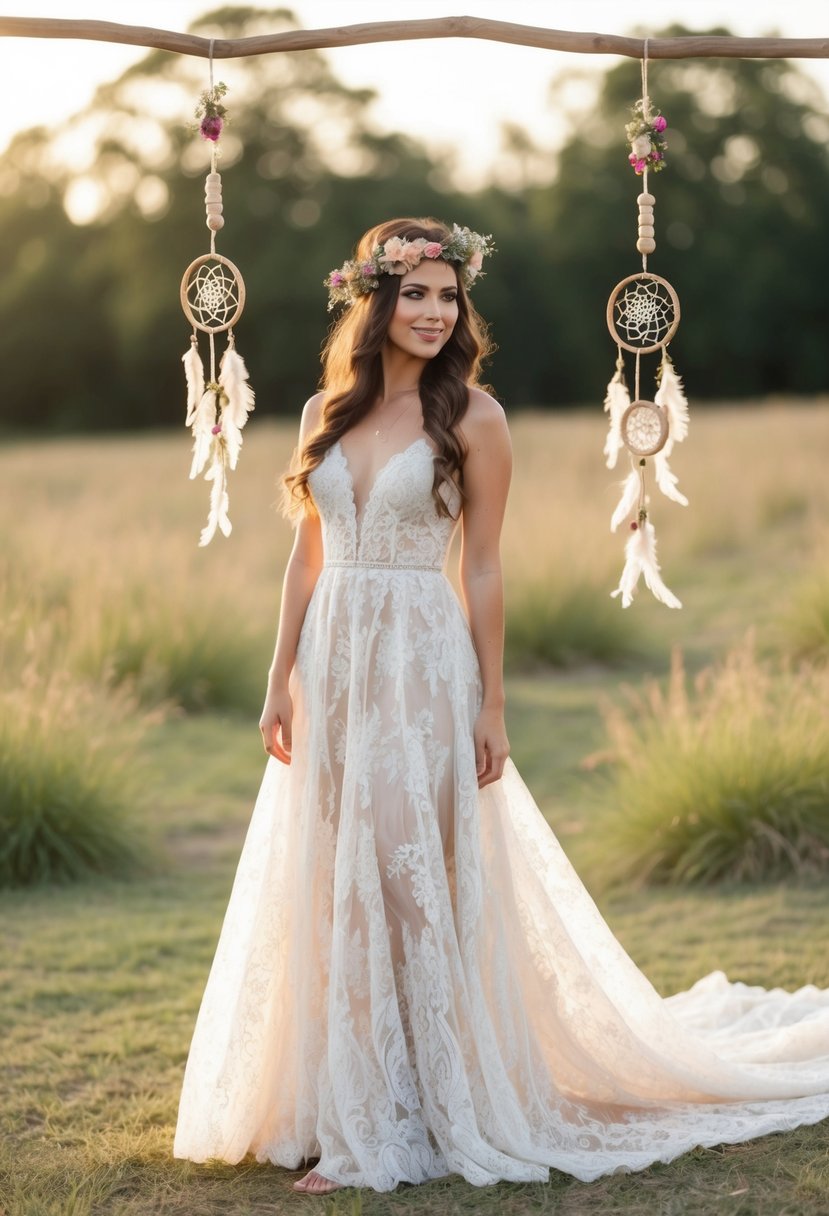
(645, 134)
(211, 113)
(398, 256)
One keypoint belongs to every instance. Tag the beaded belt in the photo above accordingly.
(384, 566)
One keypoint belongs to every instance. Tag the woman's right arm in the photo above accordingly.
(301, 574)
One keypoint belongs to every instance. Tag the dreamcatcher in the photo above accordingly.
(213, 297)
(642, 316)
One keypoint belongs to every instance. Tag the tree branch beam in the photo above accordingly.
(689, 47)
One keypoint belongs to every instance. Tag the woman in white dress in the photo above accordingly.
(411, 980)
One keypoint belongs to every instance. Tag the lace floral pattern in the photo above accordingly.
(411, 980)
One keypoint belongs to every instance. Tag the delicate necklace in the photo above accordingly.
(383, 435)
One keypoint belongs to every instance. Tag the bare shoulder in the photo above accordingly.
(311, 415)
(484, 425)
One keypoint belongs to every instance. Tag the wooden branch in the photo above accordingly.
(689, 47)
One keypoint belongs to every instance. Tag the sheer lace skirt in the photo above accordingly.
(411, 980)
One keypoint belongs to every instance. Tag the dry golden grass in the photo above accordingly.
(119, 510)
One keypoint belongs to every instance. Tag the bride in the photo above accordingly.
(411, 980)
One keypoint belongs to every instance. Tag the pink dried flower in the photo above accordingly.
(392, 251)
(211, 127)
(659, 123)
(216, 430)
(337, 279)
(433, 249)
(476, 261)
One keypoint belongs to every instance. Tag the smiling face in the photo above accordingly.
(427, 309)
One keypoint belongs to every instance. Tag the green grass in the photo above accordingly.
(164, 648)
(567, 623)
(69, 805)
(805, 627)
(729, 780)
(100, 983)
(100, 989)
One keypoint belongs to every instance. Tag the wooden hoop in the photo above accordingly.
(185, 284)
(659, 414)
(611, 304)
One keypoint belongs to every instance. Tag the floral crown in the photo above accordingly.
(399, 255)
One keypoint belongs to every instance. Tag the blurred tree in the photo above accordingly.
(90, 309)
(742, 230)
(303, 173)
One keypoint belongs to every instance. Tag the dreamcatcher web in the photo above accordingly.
(213, 294)
(644, 428)
(644, 313)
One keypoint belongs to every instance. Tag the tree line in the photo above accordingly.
(89, 313)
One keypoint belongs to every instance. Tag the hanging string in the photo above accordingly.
(646, 110)
(645, 98)
(213, 146)
(212, 232)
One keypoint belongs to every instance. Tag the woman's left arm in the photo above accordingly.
(486, 477)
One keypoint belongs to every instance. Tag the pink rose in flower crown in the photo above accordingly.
(659, 123)
(413, 252)
(336, 279)
(473, 266)
(392, 256)
(432, 249)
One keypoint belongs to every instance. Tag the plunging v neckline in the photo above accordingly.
(359, 516)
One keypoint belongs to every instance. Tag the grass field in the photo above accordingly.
(100, 981)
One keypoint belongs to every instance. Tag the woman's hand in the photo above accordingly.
(491, 746)
(275, 724)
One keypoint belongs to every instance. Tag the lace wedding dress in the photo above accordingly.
(411, 980)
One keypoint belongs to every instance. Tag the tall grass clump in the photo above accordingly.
(727, 781)
(165, 643)
(566, 625)
(806, 626)
(67, 804)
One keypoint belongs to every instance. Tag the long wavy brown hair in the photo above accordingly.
(352, 379)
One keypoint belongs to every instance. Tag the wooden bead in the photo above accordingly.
(644, 200)
(645, 215)
(646, 244)
(213, 179)
(215, 222)
(646, 230)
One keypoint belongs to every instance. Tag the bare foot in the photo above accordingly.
(315, 1184)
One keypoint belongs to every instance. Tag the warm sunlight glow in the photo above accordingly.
(462, 94)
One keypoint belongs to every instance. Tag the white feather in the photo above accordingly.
(233, 377)
(219, 502)
(666, 479)
(671, 397)
(194, 375)
(629, 499)
(616, 402)
(640, 559)
(204, 419)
